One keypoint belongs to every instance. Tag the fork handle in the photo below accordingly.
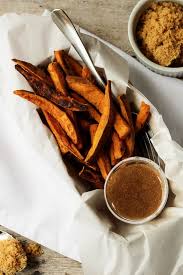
(64, 23)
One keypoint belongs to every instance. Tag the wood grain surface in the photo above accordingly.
(107, 19)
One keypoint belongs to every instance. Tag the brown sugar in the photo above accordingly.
(12, 257)
(159, 33)
(33, 249)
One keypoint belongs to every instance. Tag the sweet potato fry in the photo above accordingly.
(42, 89)
(61, 137)
(53, 110)
(112, 157)
(35, 71)
(126, 113)
(130, 144)
(74, 64)
(102, 158)
(73, 117)
(94, 114)
(121, 127)
(96, 97)
(93, 177)
(86, 73)
(118, 146)
(58, 78)
(59, 56)
(86, 89)
(69, 65)
(142, 116)
(105, 125)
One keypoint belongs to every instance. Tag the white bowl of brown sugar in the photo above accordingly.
(155, 31)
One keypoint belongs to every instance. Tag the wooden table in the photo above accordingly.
(107, 19)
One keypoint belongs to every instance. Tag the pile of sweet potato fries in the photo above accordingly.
(87, 122)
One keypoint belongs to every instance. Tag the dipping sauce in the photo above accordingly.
(134, 191)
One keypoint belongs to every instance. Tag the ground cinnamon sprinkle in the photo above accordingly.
(160, 33)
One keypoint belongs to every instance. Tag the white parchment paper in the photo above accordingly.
(38, 198)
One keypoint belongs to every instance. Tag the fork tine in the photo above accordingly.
(146, 147)
(151, 147)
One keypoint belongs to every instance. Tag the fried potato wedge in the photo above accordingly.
(35, 71)
(42, 89)
(142, 116)
(102, 158)
(58, 78)
(69, 65)
(96, 97)
(61, 137)
(93, 177)
(118, 146)
(112, 157)
(126, 113)
(105, 125)
(53, 110)
(94, 114)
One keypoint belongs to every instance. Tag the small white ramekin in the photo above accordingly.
(132, 24)
(164, 185)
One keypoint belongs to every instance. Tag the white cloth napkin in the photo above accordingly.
(40, 200)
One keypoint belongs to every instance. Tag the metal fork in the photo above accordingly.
(146, 148)
(64, 23)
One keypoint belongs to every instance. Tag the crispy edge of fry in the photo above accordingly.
(86, 73)
(61, 136)
(111, 153)
(58, 133)
(52, 109)
(91, 110)
(59, 56)
(102, 158)
(74, 64)
(95, 96)
(58, 78)
(121, 127)
(93, 177)
(142, 116)
(126, 113)
(87, 90)
(69, 65)
(123, 109)
(42, 89)
(104, 126)
(130, 144)
(37, 72)
(118, 146)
